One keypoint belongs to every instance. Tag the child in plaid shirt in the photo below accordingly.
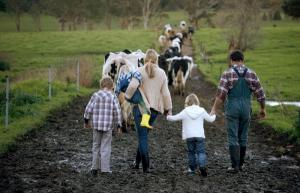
(105, 112)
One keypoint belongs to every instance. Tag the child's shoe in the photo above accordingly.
(203, 172)
(145, 121)
(94, 173)
(233, 170)
(190, 172)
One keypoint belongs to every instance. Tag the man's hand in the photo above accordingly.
(167, 112)
(212, 112)
(218, 102)
(262, 113)
(119, 131)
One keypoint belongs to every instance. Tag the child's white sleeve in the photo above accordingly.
(209, 118)
(178, 117)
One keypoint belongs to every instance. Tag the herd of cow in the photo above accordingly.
(176, 65)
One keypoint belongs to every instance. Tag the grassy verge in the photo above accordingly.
(30, 106)
(275, 60)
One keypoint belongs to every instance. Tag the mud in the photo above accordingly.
(57, 157)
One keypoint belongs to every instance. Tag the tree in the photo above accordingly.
(69, 12)
(199, 9)
(149, 7)
(128, 10)
(17, 9)
(273, 8)
(243, 24)
(2, 5)
(292, 8)
(36, 10)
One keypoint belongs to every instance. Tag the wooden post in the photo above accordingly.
(49, 83)
(7, 102)
(78, 74)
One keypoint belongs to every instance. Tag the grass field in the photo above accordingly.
(275, 60)
(49, 23)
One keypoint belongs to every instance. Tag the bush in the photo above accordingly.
(297, 125)
(4, 66)
(277, 15)
(264, 17)
(21, 99)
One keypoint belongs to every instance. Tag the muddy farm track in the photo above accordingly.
(57, 157)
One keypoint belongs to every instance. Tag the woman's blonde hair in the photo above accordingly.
(151, 60)
(106, 82)
(192, 99)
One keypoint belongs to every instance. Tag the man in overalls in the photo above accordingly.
(237, 84)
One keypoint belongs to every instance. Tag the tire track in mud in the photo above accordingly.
(57, 157)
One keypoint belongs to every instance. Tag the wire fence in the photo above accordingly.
(20, 95)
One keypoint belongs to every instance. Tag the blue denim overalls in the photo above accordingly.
(237, 112)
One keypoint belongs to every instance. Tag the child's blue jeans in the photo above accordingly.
(196, 152)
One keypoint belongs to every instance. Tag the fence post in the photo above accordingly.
(49, 83)
(77, 74)
(7, 102)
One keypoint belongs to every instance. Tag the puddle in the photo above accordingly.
(276, 103)
(284, 157)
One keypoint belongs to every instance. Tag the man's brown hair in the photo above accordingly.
(106, 82)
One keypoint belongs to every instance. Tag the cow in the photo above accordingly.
(114, 60)
(172, 52)
(180, 73)
(126, 110)
(185, 61)
(182, 26)
(163, 63)
(176, 42)
(167, 30)
(191, 31)
(112, 65)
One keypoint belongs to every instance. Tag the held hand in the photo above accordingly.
(87, 125)
(168, 117)
(212, 112)
(262, 113)
(166, 112)
(119, 131)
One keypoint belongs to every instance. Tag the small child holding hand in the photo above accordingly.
(192, 118)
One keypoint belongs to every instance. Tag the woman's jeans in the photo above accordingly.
(196, 152)
(142, 132)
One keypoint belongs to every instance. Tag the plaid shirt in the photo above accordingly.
(230, 77)
(105, 110)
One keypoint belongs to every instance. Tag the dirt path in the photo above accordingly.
(57, 157)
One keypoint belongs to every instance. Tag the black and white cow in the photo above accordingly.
(114, 60)
(163, 63)
(179, 71)
(172, 52)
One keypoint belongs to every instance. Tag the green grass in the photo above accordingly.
(28, 50)
(7, 22)
(49, 23)
(275, 60)
(30, 107)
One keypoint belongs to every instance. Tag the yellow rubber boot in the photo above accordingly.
(145, 121)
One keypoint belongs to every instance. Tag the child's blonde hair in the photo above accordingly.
(150, 60)
(191, 99)
(106, 82)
